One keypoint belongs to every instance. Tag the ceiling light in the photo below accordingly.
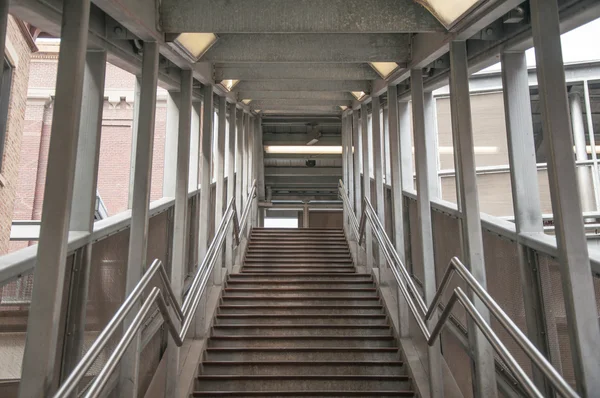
(246, 101)
(384, 69)
(448, 12)
(310, 150)
(358, 94)
(196, 44)
(314, 134)
(343, 107)
(229, 83)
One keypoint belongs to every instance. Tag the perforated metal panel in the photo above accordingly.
(459, 363)
(415, 241)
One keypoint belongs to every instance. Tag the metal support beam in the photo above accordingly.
(40, 363)
(378, 166)
(298, 47)
(239, 161)
(526, 203)
(284, 109)
(83, 209)
(584, 174)
(266, 71)
(138, 234)
(178, 264)
(303, 171)
(245, 162)
(432, 149)
(205, 169)
(273, 16)
(366, 161)
(462, 131)
(270, 103)
(194, 147)
(134, 131)
(436, 382)
(304, 85)
(406, 147)
(350, 157)
(171, 140)
(260, 161)
(294, 95)
(220, 176)
(578, 289)
(230, 178)
(357, 156)
(397, 200)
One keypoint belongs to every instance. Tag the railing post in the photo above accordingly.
(205, 169)
(397, 200)
(483, 355)
(40, 370)
(357, 153)
(378, 167)
(366, 157)
(178, 265)
(171, 142)
(220, 177)
(526, 204)
(230, 178)
(436, 382)
(138, 234)
(578, 289)
(83, 209)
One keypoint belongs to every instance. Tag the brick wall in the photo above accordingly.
(18, 52)
(115, 146)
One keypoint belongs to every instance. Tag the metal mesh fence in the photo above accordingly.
(458, 362)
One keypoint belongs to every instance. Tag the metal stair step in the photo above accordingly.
(302, 341)
(301, 329)
(302, 393)
(293, 270)
(301, 309)
(301, 300)
(297, 283)
(236, 318)
(318, 277)
(302, 354)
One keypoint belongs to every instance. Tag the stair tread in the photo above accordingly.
(304, 393)
(306, 377)
(316, 363)
(302, 337)
(305, 349)
(301, 325)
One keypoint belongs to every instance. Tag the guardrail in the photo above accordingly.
(184, 313)
(422, 313)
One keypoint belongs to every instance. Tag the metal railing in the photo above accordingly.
(422, 313)
(184, 313)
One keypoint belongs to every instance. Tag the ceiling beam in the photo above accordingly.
(304, 85)
(295, 95)
(295, 109)
(295, 156)
(268, 104)
(327, 71)
(302, 171)
(352, 48)
(312, 182)
(307, 16)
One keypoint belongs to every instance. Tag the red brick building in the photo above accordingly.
(115, 149)
(19, 47)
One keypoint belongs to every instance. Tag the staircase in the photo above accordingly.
(298, 321)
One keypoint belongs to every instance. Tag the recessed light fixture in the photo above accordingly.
(229, 83)
(359, 95)
(195, 44)
(384, 69)
(448, 12)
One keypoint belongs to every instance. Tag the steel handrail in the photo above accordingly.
(184, 313)
(458, 295)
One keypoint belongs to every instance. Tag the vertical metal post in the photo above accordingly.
(230, 178)
(83, 209)
(526, 199)
(178, 265)
(171, 141)
(305, 216)
(483, 355)
(432, 149)
(397, 199)
(436, 382)
(366, 156)
(246, 163)
(349, 159)
(345, 157)
(220, 178)
(260, 160)
(134, 131)
(205, 169)
(591, 136)
(39, 371)
(356, 155)
(584, 175)
(194, 148)
(578, 289)
(4, 7)
(406, 149)
(239, 163)
(378, 167)
(138, 234)
(257, 164)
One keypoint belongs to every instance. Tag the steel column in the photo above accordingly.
(230, 178)
(138, 234)
(406, 147)
(345, 162)
(205, 169)
(432, 150)
(397, 200)
(220, 176)
(83, 209)
(356, 155)
(591, 136)
(462, 131)
(378, 167)
(260, 161)
(178, 258)
(578, 289)
(526, 200)
(39, 371)
(239, 162)
(366, 156)
(349, 158)
(194, 147)
(584, 174)
(245, 136)
(436, 383)
(134, 131)
(171, 141)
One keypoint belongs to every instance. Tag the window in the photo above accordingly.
(5, 85)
